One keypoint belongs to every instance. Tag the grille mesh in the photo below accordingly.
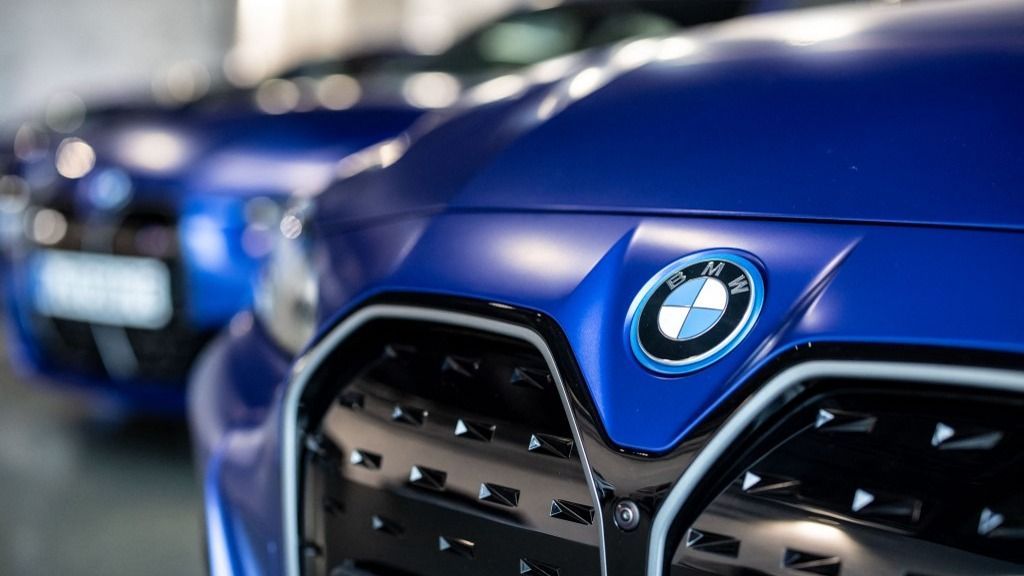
(436, 449)
(885, 479)
(443, 450)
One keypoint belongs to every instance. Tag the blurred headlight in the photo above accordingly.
(30, 143)
(14, 194)
(286, 294)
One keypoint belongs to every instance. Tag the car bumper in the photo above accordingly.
(206, 292)
(236, 448)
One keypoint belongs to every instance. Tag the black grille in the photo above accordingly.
(440, 450)
(162, 355)
(887, 478)
(431, 449)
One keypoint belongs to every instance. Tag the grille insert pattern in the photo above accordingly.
(551, 445)
(867, 478)
(428, 478)
(501, 495)
(754, 498)
(712, 543)
(474, 430)
(534, 568)
(811, 563)
(572, 511)
(443, 451)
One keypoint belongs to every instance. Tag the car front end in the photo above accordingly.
(141, 235)
(713, 304)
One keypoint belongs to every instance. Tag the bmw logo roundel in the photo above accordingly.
(694, 311)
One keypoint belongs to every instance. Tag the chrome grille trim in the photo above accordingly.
(306, 366)
(776, 389)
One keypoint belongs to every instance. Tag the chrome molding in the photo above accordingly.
(988, 378)
(307, 365)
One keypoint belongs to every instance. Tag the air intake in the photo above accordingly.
(438, 447)
(880, 475)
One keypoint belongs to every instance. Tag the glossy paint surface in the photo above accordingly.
(748, 146)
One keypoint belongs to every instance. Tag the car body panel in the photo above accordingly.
(570, 214)
(752, 122)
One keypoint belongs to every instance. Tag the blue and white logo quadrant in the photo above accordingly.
(693, 308)
(694, 311)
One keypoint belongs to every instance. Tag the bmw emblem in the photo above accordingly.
(695, 311)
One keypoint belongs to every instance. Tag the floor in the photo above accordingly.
(84, 494)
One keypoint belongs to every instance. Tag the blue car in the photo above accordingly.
(741, 301)
(142, 241)
(144, 229)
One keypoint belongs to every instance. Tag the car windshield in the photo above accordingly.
(524, 38)
(357, 65)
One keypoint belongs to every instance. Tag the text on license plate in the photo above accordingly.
(103, 289)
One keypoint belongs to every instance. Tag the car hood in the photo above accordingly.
(230, 147)
(845, 114)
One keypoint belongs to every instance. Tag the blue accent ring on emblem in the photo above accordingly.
(701, 361)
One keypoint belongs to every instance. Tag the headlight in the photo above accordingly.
(14, 199)
(287, 291)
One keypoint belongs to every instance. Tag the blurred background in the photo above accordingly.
(117, 49)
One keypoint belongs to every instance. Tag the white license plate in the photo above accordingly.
(102, 289)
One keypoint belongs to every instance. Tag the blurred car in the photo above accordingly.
(740, 301)
(141, 231)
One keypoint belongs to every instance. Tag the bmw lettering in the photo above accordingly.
(694, 312)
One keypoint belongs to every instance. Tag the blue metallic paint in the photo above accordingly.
(229, 152)
(873, 176)
(749, 125)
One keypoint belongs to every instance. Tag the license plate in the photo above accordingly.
(103, 289)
